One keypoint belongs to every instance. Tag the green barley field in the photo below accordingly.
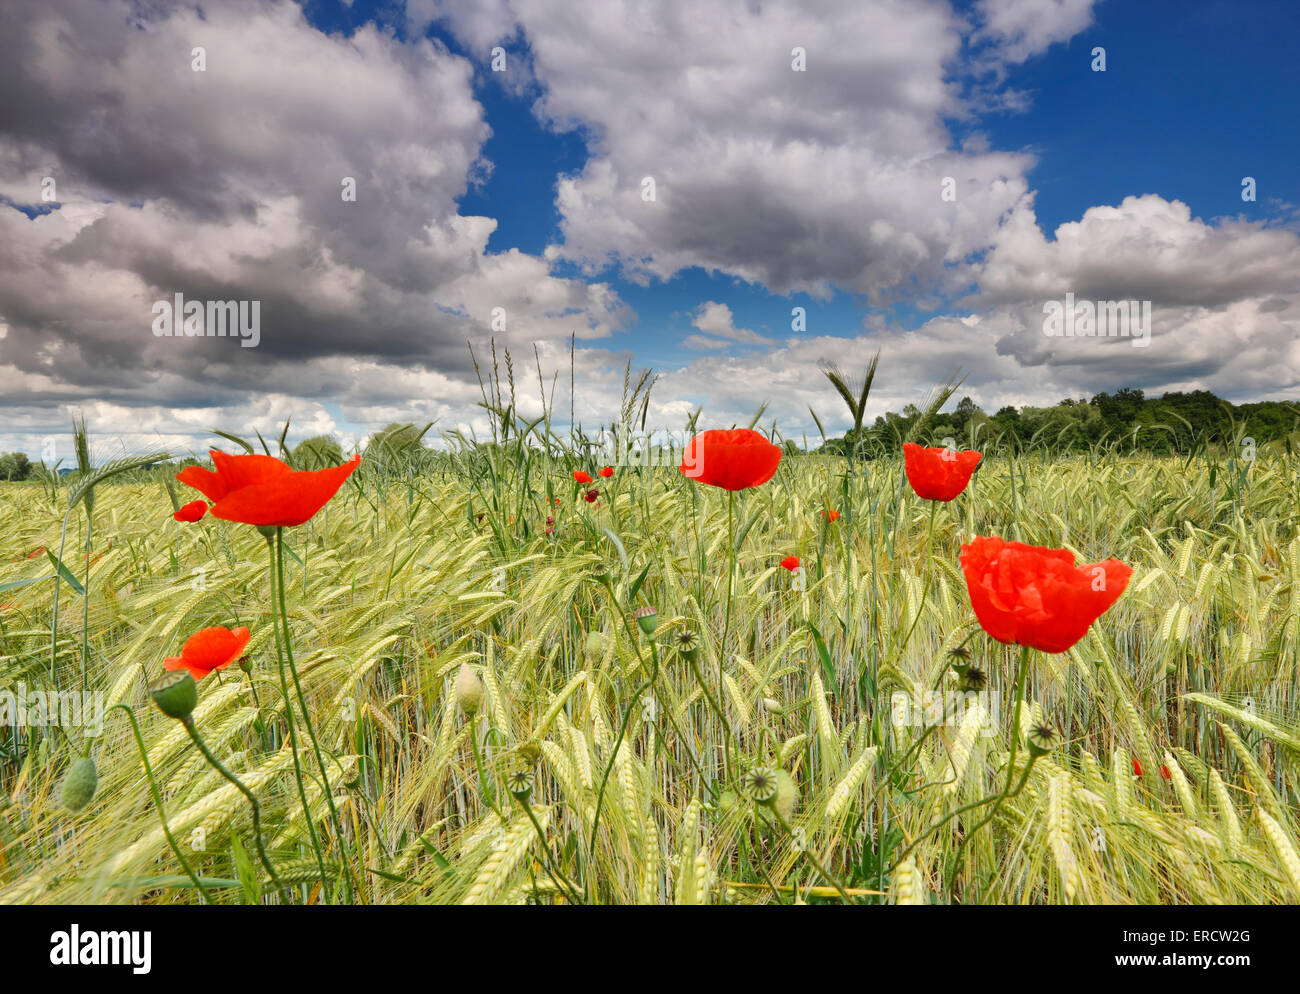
(585, 760)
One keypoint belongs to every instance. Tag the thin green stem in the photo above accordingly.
(552, 870)
(252, 801)
(306, 716)
(158, 803)
(293, 736)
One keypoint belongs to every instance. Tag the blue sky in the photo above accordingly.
(1188, 105)
(517, 193)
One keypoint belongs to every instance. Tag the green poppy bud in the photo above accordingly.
(176, 694)
(79, 784)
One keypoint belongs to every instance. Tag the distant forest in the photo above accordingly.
(1176, 423)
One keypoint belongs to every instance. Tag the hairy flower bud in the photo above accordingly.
(469, 690)
(79, 784)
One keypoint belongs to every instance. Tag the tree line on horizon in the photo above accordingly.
(1175, 423)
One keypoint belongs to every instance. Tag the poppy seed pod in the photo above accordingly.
(519, 781)
(79, 785)
(688, 645)
(176, 694)
(647, 619)
(760, 783)
(1042, 739)
(469, 690)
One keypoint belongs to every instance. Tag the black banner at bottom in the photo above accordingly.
(145, 944)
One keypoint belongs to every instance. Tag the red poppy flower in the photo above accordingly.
(791, 563)
(733, 460)
(938, 474)
(208, 650)
(591, 495)
(831, 515)
(1137, 767)
(607, 471)
(1164, 772)
(192, 511)
(581, 476)
(261, 490)
(1029, 595)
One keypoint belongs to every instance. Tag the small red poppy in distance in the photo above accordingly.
(733, 460)
(607, 471)
(831, 515)
(591, 495)
(581, 476)
(938, 474)
(1164, 772)
(1030, 595)
(208, 650)
(791, 563)
(192, 511)
(262, 490)
(1137, 767)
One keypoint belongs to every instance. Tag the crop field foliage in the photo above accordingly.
(408, 574)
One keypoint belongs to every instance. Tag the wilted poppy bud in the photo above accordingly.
(79, 784)
(469, 690)
(176, 694)
(647, 619)
(688, 645)
(591, 495)
(1042, 739)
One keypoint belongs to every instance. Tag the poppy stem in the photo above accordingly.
(726, 631)
(999, 798)
(622, 731)
(1021, 670)
(302, 704)
(293, 734)
(158, 803)
(561, 881)
(188, 722)
(489, 794)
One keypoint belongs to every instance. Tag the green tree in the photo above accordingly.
(15, 466)
(317, 453)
